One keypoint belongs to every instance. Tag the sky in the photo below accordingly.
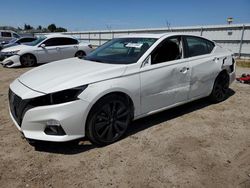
(80, 15)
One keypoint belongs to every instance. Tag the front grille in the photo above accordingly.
(18, 107)
(5, 55)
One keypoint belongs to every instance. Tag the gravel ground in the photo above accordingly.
(195, 145)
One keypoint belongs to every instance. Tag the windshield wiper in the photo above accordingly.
(95, 60)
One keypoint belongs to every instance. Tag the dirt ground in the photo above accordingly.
(195, 145)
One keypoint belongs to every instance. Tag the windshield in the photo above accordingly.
(121, 50)
(37, 41)
(13, 40)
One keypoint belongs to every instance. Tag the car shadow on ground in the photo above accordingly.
(82, 145)
(172, 113)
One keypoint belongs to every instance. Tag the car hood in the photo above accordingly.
(9, 45)
(15, 48)
(69, 73)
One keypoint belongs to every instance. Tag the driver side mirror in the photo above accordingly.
(43, 45)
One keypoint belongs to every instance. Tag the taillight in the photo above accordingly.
(232, 66)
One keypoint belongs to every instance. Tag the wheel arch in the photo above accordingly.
(223, 71)
(28, 53)
(117, 93)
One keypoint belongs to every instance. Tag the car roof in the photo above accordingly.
(158, 35)
(53, 35)
(7, 31)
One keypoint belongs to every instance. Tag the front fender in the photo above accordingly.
(129, 85)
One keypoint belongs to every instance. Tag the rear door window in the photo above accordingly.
(198, 46)
(68, 41)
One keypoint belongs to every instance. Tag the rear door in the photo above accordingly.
(165, 79)
(203, 65)
(68, 47)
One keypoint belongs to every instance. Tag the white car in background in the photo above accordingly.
(7, 35)
(125, 79)
(44, 49)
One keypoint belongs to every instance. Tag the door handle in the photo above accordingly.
(215, 59)
(57, 48)
(184, 69)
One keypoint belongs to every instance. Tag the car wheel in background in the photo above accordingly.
(80, 54)
(108, 120)
(220, 89)
(28, 60)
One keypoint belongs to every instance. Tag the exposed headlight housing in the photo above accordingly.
(58, 97)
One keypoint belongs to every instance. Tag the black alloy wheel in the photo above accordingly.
(28, 60)
(80, 54)
(109, 120)
(220, 88)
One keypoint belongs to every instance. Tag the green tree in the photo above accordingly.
(27, 27)
(61, 29)
(39, 27)
(52, 27)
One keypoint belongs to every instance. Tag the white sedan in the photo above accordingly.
(43, 50)
(125, 79)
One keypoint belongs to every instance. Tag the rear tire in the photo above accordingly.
(220, 89)
(108, 120)
(28, 60)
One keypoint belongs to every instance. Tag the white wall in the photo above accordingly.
(228, 36)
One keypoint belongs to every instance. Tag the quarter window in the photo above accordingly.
(198, 46)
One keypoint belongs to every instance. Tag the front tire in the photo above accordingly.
(220, 89)
(28, 60)
(108, 120)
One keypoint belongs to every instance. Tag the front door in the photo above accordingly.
(50, 52)
(165, 80)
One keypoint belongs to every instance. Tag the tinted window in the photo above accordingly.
(198, 46)
(37, 41)
(168, 50)
(16, 35)
(68, 41)
(60, 41)
(52, 42)
(26, 40)
(6, 34)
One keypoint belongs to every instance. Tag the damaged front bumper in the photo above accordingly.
(11, 61)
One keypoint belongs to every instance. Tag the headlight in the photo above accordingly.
(12, 52)
(58, 97)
